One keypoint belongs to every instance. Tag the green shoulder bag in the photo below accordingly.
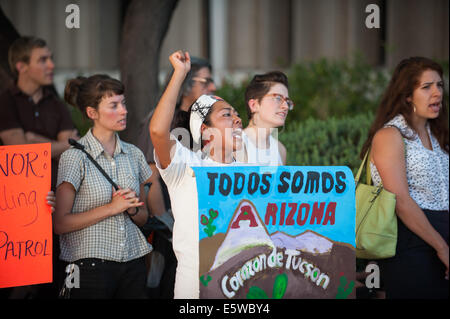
(376, 221)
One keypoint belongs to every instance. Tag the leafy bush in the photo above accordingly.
(335, 141)
(325, 88)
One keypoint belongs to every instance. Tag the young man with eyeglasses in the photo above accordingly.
(268, 103)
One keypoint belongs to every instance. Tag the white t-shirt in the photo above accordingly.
(182, 187)
(262, 156)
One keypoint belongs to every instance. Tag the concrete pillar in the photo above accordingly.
(319, 29)
(45, 12)
(62, 44)
(366, 41)
(242, 40)
(218, 39)
(185, 32)
(259, 34)
(107, 24)
(417, 27)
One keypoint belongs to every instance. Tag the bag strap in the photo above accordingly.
(365, 162)
(368, 174)
(81, 148)
(358, 175)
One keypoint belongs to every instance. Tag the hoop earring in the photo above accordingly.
(413, 105)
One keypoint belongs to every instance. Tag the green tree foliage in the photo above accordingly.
(326, 88)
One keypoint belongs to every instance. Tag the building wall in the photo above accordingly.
(186, 31)
(95, 45)
(333, 29)
(244, 36)
(259, 34)
(422, 31)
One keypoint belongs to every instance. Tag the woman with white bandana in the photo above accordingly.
(215, 128)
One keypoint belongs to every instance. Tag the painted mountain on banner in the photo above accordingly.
(246, 230)
(307, 242)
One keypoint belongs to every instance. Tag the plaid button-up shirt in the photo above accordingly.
(115, 238)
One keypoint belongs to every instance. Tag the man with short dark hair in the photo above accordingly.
(30, 110)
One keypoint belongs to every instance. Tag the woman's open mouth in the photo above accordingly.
(435, 107)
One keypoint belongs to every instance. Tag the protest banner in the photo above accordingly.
(276, 232)
(25, 216)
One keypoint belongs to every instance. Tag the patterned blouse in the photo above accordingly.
(115, 238)
(426, 170)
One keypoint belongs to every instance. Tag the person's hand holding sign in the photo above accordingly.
(51, 200)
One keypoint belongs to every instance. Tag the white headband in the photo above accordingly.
(199, 110)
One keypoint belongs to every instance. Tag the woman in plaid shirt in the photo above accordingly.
(98, 226)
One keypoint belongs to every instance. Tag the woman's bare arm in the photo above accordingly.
(388, 155)
(159, 127)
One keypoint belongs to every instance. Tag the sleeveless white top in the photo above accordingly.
(262, 156)
(426, 170)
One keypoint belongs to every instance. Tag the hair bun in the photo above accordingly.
(72, 89)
